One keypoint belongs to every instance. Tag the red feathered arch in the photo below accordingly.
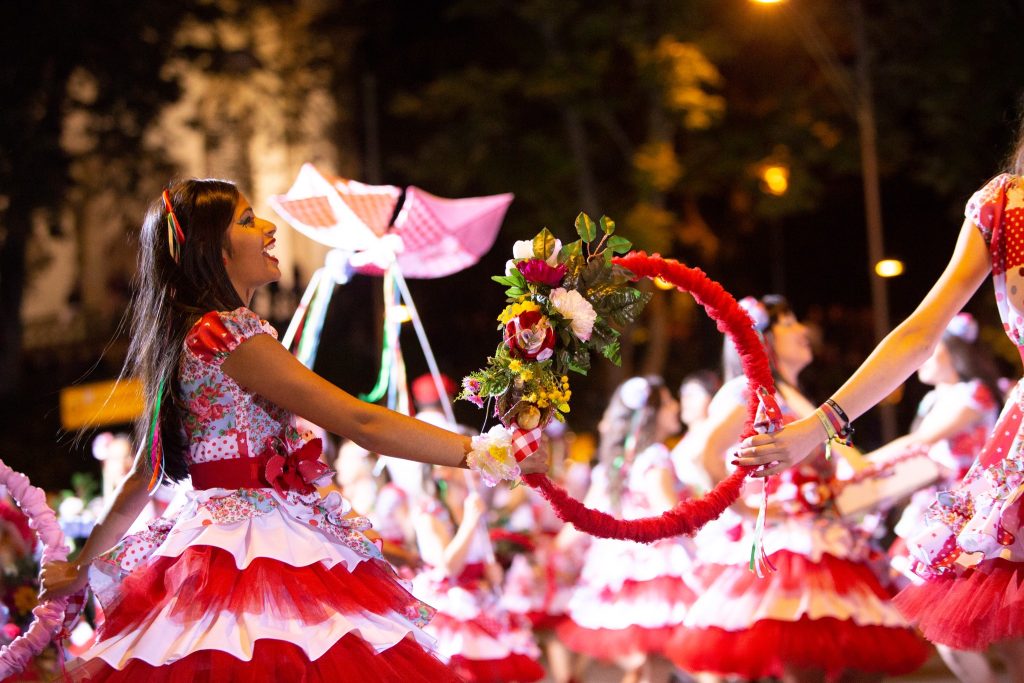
(690, 515)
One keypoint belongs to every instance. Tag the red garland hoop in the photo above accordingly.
(688, 516)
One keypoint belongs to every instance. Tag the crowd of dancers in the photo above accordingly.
(258, 576)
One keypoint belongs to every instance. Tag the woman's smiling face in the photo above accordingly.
(247, 252)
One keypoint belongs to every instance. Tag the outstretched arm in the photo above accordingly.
(889, 365)
(263, 366)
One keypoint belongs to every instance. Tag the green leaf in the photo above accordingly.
(580, 365)
(544, 244)
(624, 307)
(563, 358)
(571, 251)
(505, 280)
(514, 292)
(586, 228)
(619, 244)
(607, 225)
(612, 352)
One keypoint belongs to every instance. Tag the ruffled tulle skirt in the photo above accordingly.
(263, 598)
(984, 605)
(830, 615)
(480, 639)
(638, 617)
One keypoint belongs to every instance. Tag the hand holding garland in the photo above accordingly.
(888, 366)
(542, 340)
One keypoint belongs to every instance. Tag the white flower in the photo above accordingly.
(524, 249)
(491, 456)
(571, 305)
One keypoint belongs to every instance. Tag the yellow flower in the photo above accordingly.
(565, 378)
(542, 403)
(500, 453)
(564, 407)
(25, 599)
(526, 374)
(513, 310)
(515, 365)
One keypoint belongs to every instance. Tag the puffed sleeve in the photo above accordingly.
(655, 456)
(985, 207)
(218, 333)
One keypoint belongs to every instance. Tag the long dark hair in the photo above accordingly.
(170, 297)
(972, 362)
(628, 430)
(732, 365)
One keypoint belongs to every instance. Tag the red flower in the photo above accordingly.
(536, 270)
(295, 471)
(529, 336)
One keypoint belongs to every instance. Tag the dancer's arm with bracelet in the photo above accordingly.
(888, 366)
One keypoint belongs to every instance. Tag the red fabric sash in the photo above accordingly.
(295, 471)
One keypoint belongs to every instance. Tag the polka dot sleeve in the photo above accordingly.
(985, 207)
(218, 333)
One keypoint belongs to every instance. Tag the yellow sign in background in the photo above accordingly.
(101, 403)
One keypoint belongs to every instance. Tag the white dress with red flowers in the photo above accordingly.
(482, 641)
(970, 548)
(266, 582)
(823, 608)
(954, 455)
(631, 596)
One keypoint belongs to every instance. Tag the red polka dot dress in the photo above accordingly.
(969, 551)
(257, 579)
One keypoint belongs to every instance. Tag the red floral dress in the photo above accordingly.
(266, 583)
(970, 548)
(823, 608)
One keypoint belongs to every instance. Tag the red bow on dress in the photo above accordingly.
(296, 471)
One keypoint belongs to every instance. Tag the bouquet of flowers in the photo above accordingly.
(564, 303)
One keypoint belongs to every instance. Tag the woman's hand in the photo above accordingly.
(538, 463)
(61, 579)
(473, 508)
(772, 453)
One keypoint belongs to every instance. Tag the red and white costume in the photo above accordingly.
(970, 549)
(822, 609)
(954, 455)
(482, 641)
(539, 583)
(631, 596)
(257, 578)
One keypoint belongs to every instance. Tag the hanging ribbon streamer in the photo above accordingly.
(768, 419)
(156, 460)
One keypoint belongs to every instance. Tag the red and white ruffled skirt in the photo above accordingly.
(631, 598)
(255, 587)
(821, 609)
(482, 641)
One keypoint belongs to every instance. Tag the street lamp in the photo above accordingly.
(889, 267)
(855, 94)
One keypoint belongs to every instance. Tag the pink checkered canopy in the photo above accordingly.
(430, 236)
